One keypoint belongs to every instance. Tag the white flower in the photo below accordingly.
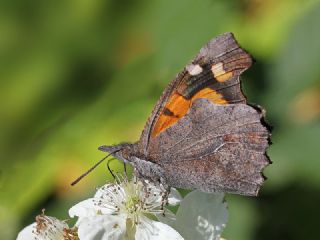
(47, 228)
(201, 216)
(124, 210)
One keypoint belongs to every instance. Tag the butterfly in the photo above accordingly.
(202, 134)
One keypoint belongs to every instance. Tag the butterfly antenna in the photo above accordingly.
(91, 169)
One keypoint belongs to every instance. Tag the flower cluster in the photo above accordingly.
(132, 209)
(48, 228)
(124, 210)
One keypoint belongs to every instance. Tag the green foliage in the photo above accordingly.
(79, 74)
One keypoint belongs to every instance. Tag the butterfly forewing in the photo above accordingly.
(213, 74)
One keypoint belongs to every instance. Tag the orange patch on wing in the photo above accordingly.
(224, 77)
(177, 107)
(211, 95)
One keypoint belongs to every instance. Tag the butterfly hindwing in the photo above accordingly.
(214, 148)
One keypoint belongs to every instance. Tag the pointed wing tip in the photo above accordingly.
(225, 35)
(222, 37)
(226, 46)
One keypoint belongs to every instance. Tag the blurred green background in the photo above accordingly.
(75, 75)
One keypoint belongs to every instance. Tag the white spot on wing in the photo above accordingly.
(194, 69)
(217, 69)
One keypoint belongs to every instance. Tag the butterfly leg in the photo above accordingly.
(110, 170)
(147, 170)
(165, 194)
(125, 169)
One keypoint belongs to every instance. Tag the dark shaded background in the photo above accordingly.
(78, 74)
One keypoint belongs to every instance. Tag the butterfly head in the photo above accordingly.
(121, 151)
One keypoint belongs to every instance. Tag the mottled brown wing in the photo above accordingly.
(213, 74)
(214, 148)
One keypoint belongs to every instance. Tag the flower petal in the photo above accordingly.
(27, 232)
(102, 227)
(174, 197)
(168, 218)
(84, 208)
(149, 229)
(202, 216)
